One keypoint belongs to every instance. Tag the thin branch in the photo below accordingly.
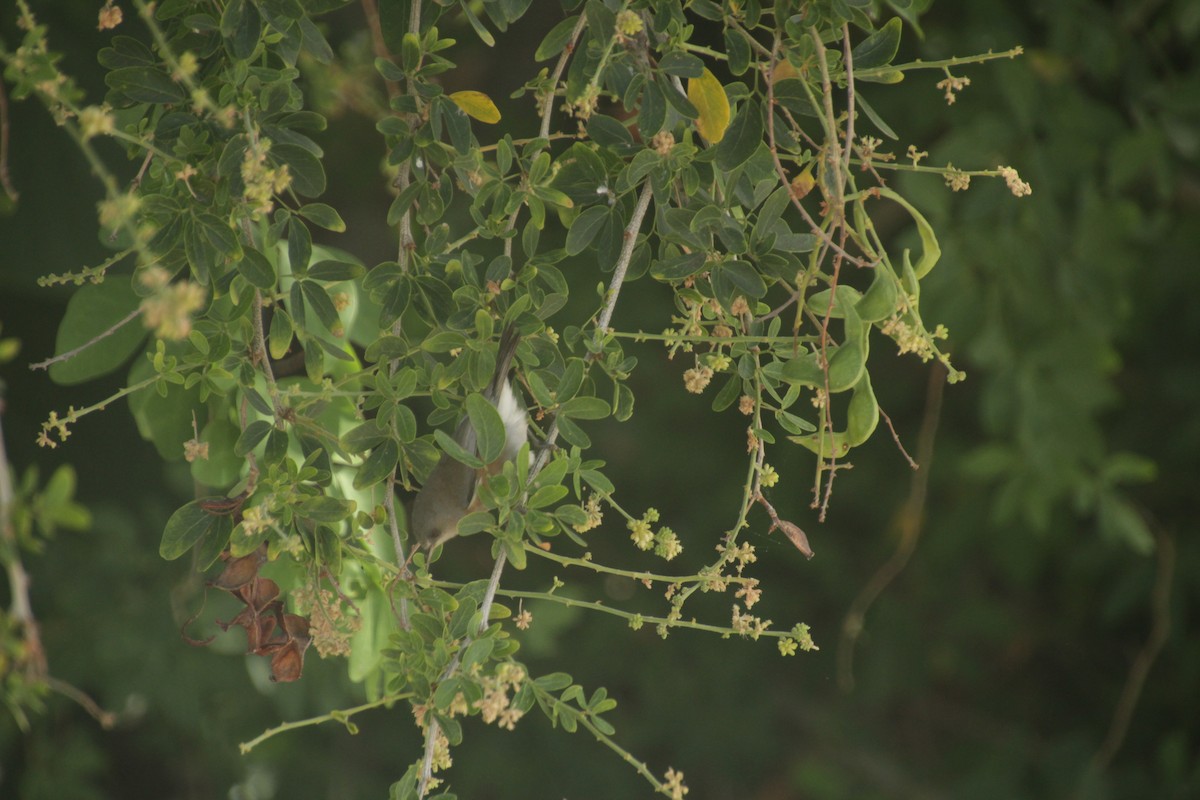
(342, 716)
(260, 350)
(18, 578)
(1160, 629)
(783, 179)
(629, 241)
(5, 181)
(97, 338)
(848, 60)
(548, 103)
(371, 12)
(896, 439)
(489, 596)
(912, 518)
(107, 719)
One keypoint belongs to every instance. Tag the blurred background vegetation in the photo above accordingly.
(1060, 500)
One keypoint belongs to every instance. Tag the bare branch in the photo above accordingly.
(97, 338)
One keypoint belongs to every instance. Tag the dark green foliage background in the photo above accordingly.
(989, 669)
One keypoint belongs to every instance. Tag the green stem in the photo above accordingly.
(633, 574)
(340, 715)
(940, 64)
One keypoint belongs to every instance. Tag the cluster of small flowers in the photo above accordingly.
(799, 636)
(629, 23)
(594, 515)
(1018, 187)
(768, 476)
(956, 179)
(913, 340)
(59, 426)
(868, 146)
(168, 311)
(256, 519)
(662, 142)
(749, 593)
(696, 379)
(331, 628)
(96, 121)
(666, 544)
(494, 705)
(262, 182)
(950, 84)
(673, 784)
(748, 624)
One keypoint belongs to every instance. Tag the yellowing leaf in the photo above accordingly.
(708, 96)
(477, 105)
(784, 70)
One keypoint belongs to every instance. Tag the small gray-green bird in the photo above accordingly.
(450, 491)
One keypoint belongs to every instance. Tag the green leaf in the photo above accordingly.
(456, 450)
(679, 267)
(326, 509)
(744, 277)
(931, 250)
(489, 427)
(325, 216)
(483, 33)
(91, 311)
(585, 408)
(556, 40)
(279, 339)
(316, 298)
(377, 466)
(744, 136)
(363, 437)
(308, 176)
(185, 528)
(553, 682)
(145, 85)
(684, 65)
(336, 271)
(254, 433)
(256, 269)
(477, 652)
(584, 229)
(607, 131)
(879, 48)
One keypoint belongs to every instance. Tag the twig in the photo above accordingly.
(342, 716)
(848, 60)
(18, 578)
(141, 173)
(548, 103)
(371, 12)
(1160, 629)
(431, 732)
(911, 520)
(97, 338)
(629, 241)
(5, 180)
(783, 179)
(389, 503)
(260, 351)
(107, 719)
(489, 596)
(896, 439)
(547, 112)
